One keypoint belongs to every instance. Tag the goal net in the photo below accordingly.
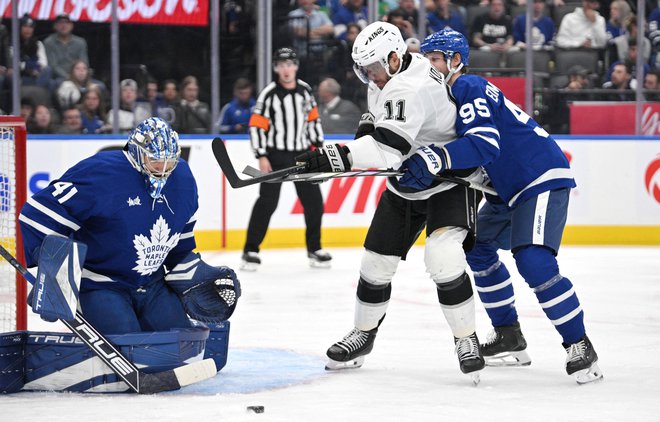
(12, 196)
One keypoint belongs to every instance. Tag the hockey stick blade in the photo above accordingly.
(222, 157)
(138, 381)
(321, 177)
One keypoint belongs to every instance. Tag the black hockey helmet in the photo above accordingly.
(285, 53)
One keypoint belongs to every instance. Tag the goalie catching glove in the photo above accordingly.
(329, 158)
(208, 293)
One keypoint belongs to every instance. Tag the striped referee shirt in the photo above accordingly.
(285, 120)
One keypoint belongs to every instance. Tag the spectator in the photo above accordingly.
(33, 60)
(41, 121)
(398, 18)
(337, 115)
(170, 100)
(192, 115)
(409, 10)
(619, 12)
(131, 112)
(307, 23)
(652, 85)
(63, 48)
(446, 15)
(27, 107)
(543, 31)
(353, 11)
(71, 122)
(493, 31)
(355, 89)
(622, 42)
(92, 112)
(235, 115)
(654, 35)
(71, 90)
(5, 59)
(621, 81)
(584, 27)
(578, 78)
(631, 59)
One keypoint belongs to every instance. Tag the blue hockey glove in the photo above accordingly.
(329, 158)
(422, 167)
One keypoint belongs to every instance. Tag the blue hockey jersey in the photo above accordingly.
(103, 202)
(521, 158)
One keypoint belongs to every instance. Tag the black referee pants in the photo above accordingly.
(269, 195)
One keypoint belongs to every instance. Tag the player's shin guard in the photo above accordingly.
(493, 284)
(554, 292)
(457, 303)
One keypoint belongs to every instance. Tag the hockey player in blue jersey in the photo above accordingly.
(533, 180)
(135, 209)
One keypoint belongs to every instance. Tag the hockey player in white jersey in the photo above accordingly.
(409, 108)
(135, 210)
(533, 179)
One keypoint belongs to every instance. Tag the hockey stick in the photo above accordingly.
(321, 177)
(139, 382)
(221, 156)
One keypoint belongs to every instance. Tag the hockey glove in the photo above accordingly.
(329, 158)
(422, 167)
(366, 125)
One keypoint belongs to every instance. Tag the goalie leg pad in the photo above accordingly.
(55, 294)
(218, 343)
(12, 361)
(208, 293)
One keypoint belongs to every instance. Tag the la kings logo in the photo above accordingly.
(151, 252)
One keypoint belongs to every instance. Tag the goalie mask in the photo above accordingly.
(372, 48)
(153, 149)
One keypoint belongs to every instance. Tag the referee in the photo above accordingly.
(285, 122)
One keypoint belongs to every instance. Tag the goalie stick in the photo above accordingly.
(321, 177)
(139, 382)
(295, 173)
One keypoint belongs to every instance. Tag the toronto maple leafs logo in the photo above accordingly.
(151, 252)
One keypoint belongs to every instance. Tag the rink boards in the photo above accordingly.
(617, 200)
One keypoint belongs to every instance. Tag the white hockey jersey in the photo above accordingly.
(414, 109)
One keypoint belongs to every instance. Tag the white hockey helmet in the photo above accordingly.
(374, 45)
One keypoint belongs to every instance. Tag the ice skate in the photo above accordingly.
(582, 361)
(351, 350)
(505, 346)
(469, 356)
(250, 261)
(319, 259)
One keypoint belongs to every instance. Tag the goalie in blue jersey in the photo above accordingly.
(533, 179)
(135, 210)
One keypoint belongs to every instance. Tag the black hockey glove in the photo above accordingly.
(329, 158)
(366, 125)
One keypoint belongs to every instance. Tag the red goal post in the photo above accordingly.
(13, 194)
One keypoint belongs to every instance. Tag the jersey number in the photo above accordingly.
(400, 110)
(469, 111)
(62, 187)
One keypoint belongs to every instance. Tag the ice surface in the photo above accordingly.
(289, 314)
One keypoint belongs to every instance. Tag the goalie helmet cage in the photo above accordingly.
(13, 194)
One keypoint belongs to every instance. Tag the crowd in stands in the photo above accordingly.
(60, 93)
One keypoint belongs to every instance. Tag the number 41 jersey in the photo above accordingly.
(520, 157)
(103, 202)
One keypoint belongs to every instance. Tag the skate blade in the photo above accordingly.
(508, 359)
(248, 266)
(334, 365)
(475, 377)
(316, 264)
(591, 374)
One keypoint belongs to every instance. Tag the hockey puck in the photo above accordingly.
(256, 409)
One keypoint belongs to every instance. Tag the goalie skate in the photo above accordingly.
(349, 353)
(469, 356)
(505, 346)
(582, 361)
